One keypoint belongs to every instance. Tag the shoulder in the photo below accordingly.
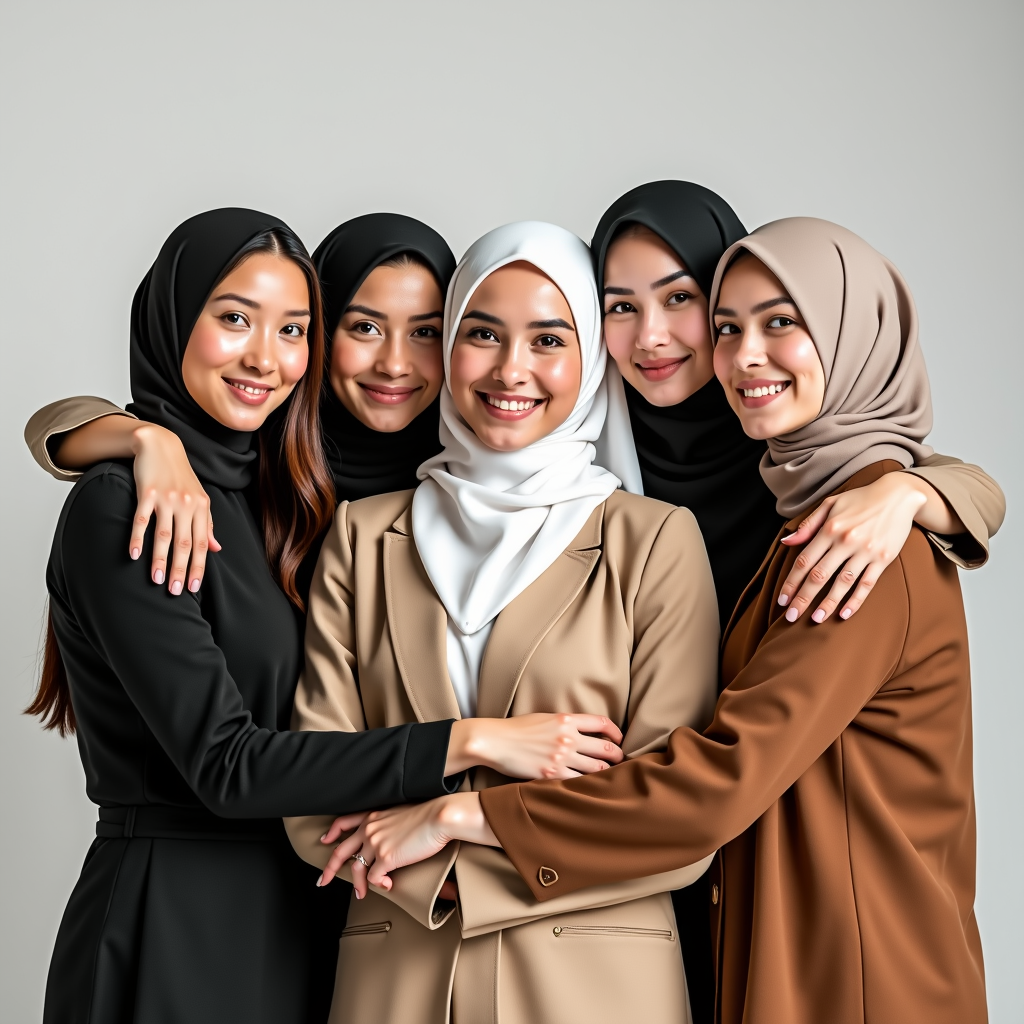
(107, 490)
(634, 525)
(366, 520)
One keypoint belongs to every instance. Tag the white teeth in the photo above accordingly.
(250, 390)
(772, 389)
(511, 405)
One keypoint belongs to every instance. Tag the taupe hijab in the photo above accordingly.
(862, 319)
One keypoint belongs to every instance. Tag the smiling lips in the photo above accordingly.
(509, 407)
(757, 393)
(248, 391)
(660, 369)
(387, 394)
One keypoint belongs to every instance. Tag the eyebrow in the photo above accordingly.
(237, 298)
(783, 300)
(557, 322)
(427, 316)
(620, 291)
(477, 314)
(724, 311)
(366, 309)
(671, 277)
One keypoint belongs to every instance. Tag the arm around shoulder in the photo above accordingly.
(47, 429)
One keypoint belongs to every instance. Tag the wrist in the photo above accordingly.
(148, 435)
(460, 817)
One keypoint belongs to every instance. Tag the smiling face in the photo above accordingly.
(655, 319)
(765, 357)
(248, 349)
(386, 359)
(516, 365)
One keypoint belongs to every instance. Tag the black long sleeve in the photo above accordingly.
(188, 697)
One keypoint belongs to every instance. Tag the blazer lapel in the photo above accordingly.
(524, 622)
(418, 625)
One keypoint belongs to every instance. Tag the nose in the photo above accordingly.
(653, 329)
(512, 368)
(750, 352)
(393, 356)
(260, 354)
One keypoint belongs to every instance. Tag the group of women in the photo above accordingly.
(488, 688)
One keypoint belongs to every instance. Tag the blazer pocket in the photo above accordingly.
(370, 928)
(568, 931)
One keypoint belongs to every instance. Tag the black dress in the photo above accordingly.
(191, 906)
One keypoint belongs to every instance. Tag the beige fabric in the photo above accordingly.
(59, 418)
(623, 623)
(862, 318)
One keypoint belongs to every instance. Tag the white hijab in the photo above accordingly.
(488, 523)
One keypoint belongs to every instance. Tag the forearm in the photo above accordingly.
(934, 515)
(110, 437)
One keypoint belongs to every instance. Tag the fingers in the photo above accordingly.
(344, 823)
(867, 582)
(359, 872)
(846, 579)
(597, 748)
(200, 544)
(579, 764)
(811, 525)
(182, 548)
(819, 575)
(213, 542)
(598, 725)
(805, 563)
(140, 523)
(161, 541)
(343, 852)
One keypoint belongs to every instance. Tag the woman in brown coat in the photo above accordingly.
(836, 775)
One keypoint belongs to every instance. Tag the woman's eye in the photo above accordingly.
(728, 329)
(235, 319)
(483, 334)
(293, 331)
(365, 327)
(678, 298)
(549, 341)
(780, 321)
(426, 332)
(622, 307)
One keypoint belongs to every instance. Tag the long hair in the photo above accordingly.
(296, 487)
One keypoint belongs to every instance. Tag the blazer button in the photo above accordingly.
(547, 876)
(714, 894)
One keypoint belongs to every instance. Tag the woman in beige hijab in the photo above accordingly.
(836, 775)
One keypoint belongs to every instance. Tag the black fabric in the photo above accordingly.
(695, 454)
(185, 702)
(365, 461)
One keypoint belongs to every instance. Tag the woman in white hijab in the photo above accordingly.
(518, 578)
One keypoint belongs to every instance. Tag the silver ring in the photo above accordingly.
(362, 860)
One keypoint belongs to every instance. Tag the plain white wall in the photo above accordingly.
(900, 120)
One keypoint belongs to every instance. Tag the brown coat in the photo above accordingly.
(837, 778)
(623, 623)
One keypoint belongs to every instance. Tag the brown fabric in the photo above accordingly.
(53, 420)
(623, 623)
(837, 777)
(862, 319)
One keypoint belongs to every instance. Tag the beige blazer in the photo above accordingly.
(624, 623)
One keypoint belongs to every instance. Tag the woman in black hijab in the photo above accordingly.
(188, 905)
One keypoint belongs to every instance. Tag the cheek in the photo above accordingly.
(428, 363)
(292, 362)
(560, 377)
(690, 326)
(350, 357)
(797, 355)
(211, 348)
(723, 363)
(620, 336)
(470, 364)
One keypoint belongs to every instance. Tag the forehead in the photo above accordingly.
(268, 274)
(520, 285)
(410, 281)
(639, 247)
(749, 278)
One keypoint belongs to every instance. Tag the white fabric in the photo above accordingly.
(465, 653)
(488, 523)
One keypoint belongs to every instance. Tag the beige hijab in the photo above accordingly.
(862, 319)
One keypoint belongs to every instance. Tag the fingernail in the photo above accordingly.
(158, 577)
(790, 536)
(194, 586)
(358, 897)
(818, 616)
(791, 615)
(323, 839)
(783, 599)
(846, 613)
(320, 881)
(176, 587)
(135, 553)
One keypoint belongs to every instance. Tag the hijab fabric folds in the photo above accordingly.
(862, 319)
(166, 306)
(488, 523)
(695, 454)
(364, 461)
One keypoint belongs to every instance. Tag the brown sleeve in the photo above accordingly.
(800, 690)
(975, 497)
(44, 430)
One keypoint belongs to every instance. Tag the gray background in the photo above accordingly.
(900, 120)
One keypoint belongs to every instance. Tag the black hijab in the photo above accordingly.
(366, 461)
(695, 453)
(164, 311)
